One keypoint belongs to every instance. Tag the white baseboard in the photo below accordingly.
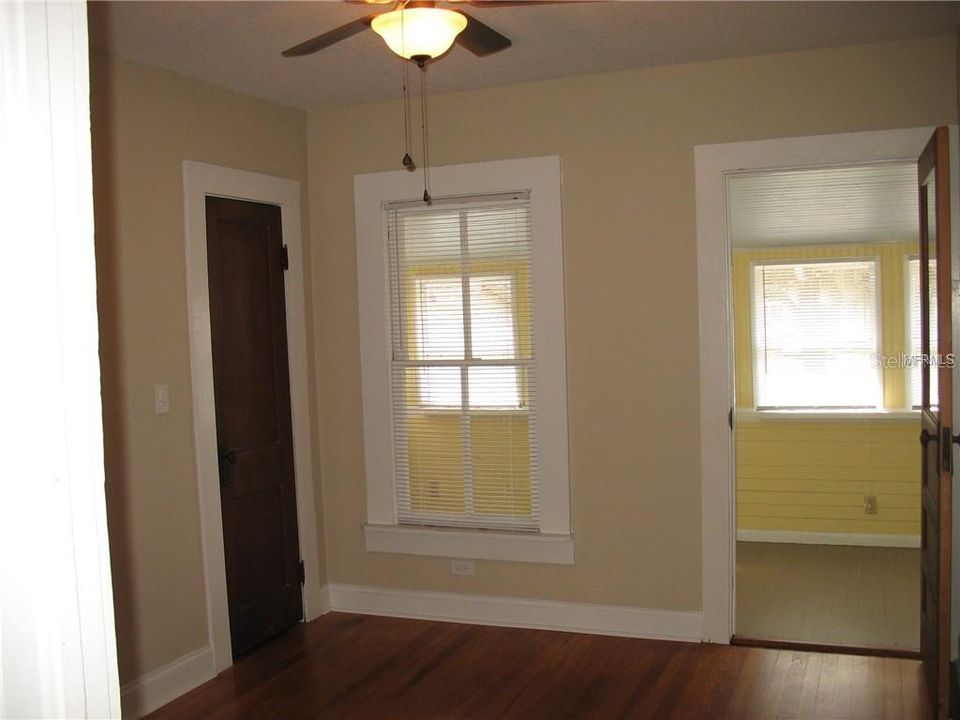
(167, 683)
(325, 599)
(518, 612)
(823, 538)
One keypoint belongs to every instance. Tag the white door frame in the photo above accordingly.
(199, 181)
(712, 163)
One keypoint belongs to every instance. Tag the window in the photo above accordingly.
(815, 335)
(465, 431)
(463, 362)
(913, 329)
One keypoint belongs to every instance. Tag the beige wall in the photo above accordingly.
(145, 123)
(626, 141)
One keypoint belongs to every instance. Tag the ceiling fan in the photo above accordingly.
(421, 31)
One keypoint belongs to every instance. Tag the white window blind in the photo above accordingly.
(815, 335)
(913, 329)
(463, 386)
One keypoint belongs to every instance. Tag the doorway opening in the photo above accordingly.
(825, 293)
(933, 153)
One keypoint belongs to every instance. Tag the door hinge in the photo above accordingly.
(730, 418)
(946, 450)
(301, 573)
(285, 256)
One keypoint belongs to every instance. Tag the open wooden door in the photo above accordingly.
(935, 418)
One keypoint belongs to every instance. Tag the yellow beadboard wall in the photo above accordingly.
(811, 475)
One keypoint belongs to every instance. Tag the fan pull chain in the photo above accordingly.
(423, 130)
(407, 160)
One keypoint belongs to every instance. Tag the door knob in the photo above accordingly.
(926, 437)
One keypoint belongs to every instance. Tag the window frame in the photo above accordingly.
(878, 350)
(373, 192)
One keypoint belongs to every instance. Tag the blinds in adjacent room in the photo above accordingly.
(815, 335)
(463, 386)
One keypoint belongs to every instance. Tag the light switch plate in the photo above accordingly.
(161, 399)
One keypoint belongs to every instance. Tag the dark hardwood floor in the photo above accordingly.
(355, 666)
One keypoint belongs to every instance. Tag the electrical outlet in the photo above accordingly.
(870, 504)
(462, 567)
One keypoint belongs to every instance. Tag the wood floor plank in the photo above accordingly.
(352, 666)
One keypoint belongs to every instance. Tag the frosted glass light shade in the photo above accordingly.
(422, 31)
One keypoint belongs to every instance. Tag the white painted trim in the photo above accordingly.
(475, 544)
(58, 645)
(774, 416)
(542, 177)
(200, 180)
(795, 537)
(713, 259)
(167, 683)
(519, 612)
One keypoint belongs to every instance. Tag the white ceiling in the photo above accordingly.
(859, 204)
(237, 44)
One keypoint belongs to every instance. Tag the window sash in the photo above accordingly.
(425, 387)
(462, 486)
(785, 360)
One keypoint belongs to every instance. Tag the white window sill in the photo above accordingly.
(785, 415)
(470, 544)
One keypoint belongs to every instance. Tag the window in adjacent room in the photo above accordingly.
(815, 328)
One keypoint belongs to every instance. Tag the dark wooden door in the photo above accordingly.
(935, 418)
(245, 265)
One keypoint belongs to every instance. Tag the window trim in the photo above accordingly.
(372, 192)
(878, 302)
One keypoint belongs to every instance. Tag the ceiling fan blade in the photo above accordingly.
(329, 38)
(481, 39)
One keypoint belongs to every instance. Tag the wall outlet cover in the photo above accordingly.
(462, 567)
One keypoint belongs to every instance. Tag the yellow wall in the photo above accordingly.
(145, 122)
(812, 475)
(626, 143)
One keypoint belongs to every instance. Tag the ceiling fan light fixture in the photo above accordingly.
(420, 31)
